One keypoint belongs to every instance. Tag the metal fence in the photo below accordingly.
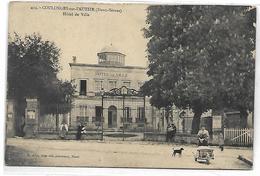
(133, 126)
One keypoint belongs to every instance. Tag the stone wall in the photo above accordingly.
(179, 138)
(70, 136)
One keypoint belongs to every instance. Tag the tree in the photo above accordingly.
(200, 57)
(33, 65)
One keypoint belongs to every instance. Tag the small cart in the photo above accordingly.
(204, 154)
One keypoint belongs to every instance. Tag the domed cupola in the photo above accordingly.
(109, 55)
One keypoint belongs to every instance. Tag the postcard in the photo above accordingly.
(130, 85)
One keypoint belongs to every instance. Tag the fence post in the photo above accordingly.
(101, 130)
(224, 134)
(57, 118)
(102, 116)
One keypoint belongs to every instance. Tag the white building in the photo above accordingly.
(109, 73)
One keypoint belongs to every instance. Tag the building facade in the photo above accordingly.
(110, 72)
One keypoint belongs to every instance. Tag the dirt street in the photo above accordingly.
(35, 152)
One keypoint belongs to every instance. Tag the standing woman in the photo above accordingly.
(63, 130)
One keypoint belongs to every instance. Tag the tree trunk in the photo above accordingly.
(243, 118)
(223, 121)
(57, 117)
(167, 114)
(167, 117)
(57, 122)
(20, 118)
(196, 123)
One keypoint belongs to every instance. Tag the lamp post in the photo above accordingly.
(124, 93)
(102, 111)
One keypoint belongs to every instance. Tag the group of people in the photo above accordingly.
(203, 136)
(80, 130)
(64, 131)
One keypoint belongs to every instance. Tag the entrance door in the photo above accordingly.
(112, 117)
(98, 113)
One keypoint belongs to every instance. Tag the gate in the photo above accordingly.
(239, 137)
(125, 118)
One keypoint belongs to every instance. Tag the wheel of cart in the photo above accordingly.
(204, 154)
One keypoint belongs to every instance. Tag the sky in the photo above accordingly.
(83, 36)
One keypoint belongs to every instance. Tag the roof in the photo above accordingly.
(110, 49)
(108, 66)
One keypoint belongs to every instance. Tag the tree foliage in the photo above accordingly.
(201, 57)
(33, 64)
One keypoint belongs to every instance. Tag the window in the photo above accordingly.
(83, 87)
(98, 85)
(128, 114)
(83, 110)
(112, 84)
(82, 114)
(140, 113)
(98, 113)
(127, 84)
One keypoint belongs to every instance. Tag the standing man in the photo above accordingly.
(221, 141)
(174, 129)
(203, 136)
(168, 129)
(79, 131)
(171, 131)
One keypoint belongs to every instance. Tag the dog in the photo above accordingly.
(175, 151)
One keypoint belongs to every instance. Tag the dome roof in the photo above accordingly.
(110, 49)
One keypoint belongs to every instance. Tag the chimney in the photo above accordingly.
(74, 59)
